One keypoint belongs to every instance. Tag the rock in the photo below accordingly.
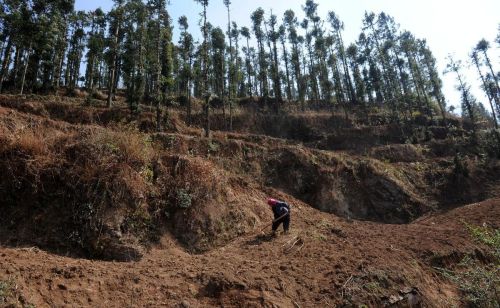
(62, 287)
(408, 290)
(117, 251)
(393, 299)
(339, 232)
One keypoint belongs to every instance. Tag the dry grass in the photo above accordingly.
(132, 147)
(31, 143)
(78, 93)
(100, 95)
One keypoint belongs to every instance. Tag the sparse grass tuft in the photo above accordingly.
(488, 236)
(479, 283)
(6, 287)
(10, 296)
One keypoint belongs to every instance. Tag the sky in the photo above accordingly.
(450, 26)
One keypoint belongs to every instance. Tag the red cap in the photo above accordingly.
(271, 201)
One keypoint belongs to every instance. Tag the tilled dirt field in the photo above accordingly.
(324, 262)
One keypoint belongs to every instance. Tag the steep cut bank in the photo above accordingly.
(108, 194)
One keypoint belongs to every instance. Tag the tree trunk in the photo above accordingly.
(485, 85)
(494, 76)
(248, 63)
(158, 73)
(112, 73)
(277, 81)
(205, 74)
(23, 79)
(15, 69)
(287, 72)
(230, 70)
(5, 63)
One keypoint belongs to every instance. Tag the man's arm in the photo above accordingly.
(284, 205)
(284, 209)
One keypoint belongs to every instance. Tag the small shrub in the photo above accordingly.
(5, 289)
(490, 143)
(184, 199)
(148, 173)
(10, 296)
(460, 168)
(213, 147)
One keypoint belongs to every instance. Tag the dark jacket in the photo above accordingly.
(280, 209)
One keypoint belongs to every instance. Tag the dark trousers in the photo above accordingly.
(286, 223)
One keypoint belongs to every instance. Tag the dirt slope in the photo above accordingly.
(85, 184)
(335, 262)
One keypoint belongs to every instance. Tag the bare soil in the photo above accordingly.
(335, 262)
(100, 211)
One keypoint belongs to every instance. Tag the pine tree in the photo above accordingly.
(483, 46)
(187, 49)
(371, 72)
(273, 37)
(115, 16)
(355, 61)
(205, 90)
(383, 83)
(95, 47)
(469, 103)
(433, 76)
(410, 48)
(78, 21)
(289, 84)
(257, 20)
(218, 48)
(238, 85)
(317, 51)
(10, 23)
(245, 32)
(312, 73)
(489, 94)
(163, 57)
(498, 36)
(290, 22)
(338, 27)
(333, 62)
(231, 73)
